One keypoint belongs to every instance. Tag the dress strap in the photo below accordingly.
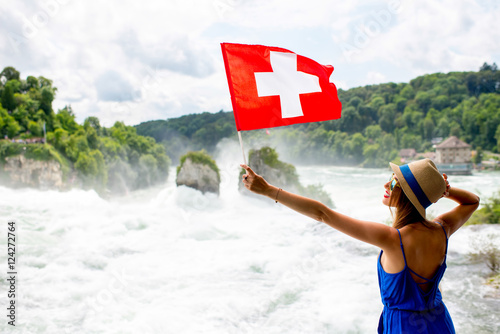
(422, 277)
(402, 249)
(446, 235)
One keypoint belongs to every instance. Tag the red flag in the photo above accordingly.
(273, 87)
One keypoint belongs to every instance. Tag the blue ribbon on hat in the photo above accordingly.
(415, 187)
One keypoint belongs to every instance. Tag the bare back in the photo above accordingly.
(424, 248)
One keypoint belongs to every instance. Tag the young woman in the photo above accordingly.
(412, 260)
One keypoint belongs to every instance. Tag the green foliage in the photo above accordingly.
(93, 122)
(200, 157)
(270, 157)
(9, 73)
(149, 169)
(190, 132)
(115, 159)
(8, 149)
(65, 119)
(38, 152)
(489, 213)
(316, 191)
(35, 129)
(33, 151)
(377, 121)
(7, 98)
(86, 164)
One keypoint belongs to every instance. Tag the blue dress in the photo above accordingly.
(407, 308)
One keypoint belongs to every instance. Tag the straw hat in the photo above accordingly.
(421, 182)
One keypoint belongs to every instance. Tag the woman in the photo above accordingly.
(412, 259)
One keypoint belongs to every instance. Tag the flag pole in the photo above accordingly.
(242, 150)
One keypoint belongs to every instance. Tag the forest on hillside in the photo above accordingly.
(114, 159)
(377, 121)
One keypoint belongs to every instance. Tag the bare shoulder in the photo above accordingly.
(393, 244)
(438, 221)
(419, 234)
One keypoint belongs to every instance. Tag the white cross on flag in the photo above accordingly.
(273, 87)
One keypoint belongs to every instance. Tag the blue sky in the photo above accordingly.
(135, 61)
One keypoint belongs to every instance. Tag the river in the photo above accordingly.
(172, 260)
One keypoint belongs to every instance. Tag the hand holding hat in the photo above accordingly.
(447, 191)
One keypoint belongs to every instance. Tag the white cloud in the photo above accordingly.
(177, 55)
(430, 36)
(166, 56)
(373, 78)
(111, 86)
(283, 14)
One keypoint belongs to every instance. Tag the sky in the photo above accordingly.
(135, 61)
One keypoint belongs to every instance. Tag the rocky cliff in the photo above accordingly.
(18, 171)
(196, 174)
(265, 162)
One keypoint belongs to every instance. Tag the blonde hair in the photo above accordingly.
(406, 212)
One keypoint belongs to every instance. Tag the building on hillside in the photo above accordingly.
(407, 154)
(429, 155)
(453, 156)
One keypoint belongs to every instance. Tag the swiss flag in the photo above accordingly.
(273, 87)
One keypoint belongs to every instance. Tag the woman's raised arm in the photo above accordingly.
(455, 218)
(374, 233)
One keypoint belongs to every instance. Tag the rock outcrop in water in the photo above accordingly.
(19, 171)
(265, 162)
(199, 171)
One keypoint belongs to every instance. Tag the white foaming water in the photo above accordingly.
(172, 260)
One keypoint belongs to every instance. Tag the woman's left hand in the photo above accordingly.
(254, 182)
(447, 191)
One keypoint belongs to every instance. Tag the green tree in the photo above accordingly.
(148, 169)
(12, 127)
(497, 136)
(373, 132)
(60, 136)
(411, 141)
(407, 92)
(428, 128)
(86, 165)
(92, 138)
(488, 67)
(440, 102)
(35, 129)
(101, 175)
(387, 116)
(355, 102)
(31, 83)
(371, 153)
(423, 100)
(353, 148)
(478, 157)
(7, 98)
(350, 121)
(9, 73)
(47, 95)
(65, 119)
(377, 102)
(92, 122)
